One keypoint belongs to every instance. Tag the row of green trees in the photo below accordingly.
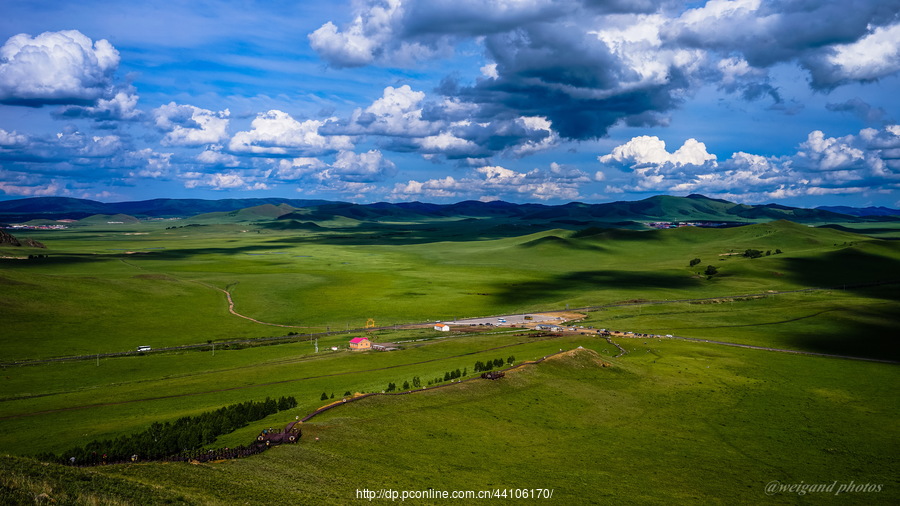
(491, 364)
(170, 438)
(748, 253)
(416, 382)
(450, 375)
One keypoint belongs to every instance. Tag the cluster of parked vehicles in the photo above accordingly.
(628, 333)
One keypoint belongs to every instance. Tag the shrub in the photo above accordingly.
(753, 253)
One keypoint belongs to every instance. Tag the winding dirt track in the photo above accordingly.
(225, 291)
(232, 311)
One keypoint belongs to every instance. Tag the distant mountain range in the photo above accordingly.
(58, 208)
(657, 208)
(861, 211)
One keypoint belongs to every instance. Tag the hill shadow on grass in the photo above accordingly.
(857, 271)
(867, 333)
(869, 231)
(54, 259)
(399, 235)
(186, 253)
(570, 284)
(555, 243)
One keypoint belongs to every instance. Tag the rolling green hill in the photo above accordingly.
(244, 215)
(106, 219)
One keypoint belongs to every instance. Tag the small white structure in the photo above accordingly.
(442, 327)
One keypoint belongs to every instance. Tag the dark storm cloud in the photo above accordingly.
(776, 31)
(588, 65)
(472, 18)
(624, 6)
(767, 33)
(120, 107)
(570, 77)
(861, 109)
(394, 32)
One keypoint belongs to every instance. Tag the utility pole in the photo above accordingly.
(214, 349)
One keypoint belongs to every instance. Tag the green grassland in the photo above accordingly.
(109, 290)
(671, 421)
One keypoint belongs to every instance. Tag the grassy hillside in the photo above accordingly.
(669, 422)
(24, 482)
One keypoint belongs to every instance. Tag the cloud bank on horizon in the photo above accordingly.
(521, 100)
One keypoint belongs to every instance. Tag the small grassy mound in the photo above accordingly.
(579, 358)
(550, 240)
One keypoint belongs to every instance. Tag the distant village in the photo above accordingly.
(60, 226)
(678, 224)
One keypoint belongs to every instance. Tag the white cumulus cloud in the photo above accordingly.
(367, 167)
(494, 182)
(122, 106)
(277, 133)
(651, 150)
(187, 125)
(63, 67)
(871, 57)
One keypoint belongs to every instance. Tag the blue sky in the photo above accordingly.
(546, 101)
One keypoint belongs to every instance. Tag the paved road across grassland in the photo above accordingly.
(509, 320)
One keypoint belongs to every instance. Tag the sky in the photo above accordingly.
(794, 102)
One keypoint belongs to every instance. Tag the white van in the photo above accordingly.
(143, 348)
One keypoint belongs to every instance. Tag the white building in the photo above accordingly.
(442, 327)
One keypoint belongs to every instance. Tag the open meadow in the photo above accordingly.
(670, 421)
